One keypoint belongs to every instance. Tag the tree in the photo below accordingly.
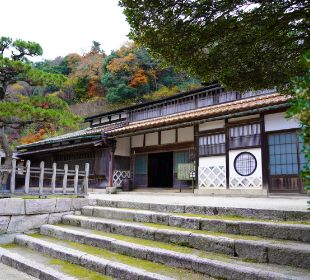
(243, 44)
(300, 109)
(15, 68)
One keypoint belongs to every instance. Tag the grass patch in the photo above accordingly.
(78, 271)
(177, 273)
(238, 218)
(8, 246)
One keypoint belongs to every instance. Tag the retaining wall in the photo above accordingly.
(23, 215)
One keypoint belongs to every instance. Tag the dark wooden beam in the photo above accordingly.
(264, 151)
(227, 152)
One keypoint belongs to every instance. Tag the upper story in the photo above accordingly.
(190, 100)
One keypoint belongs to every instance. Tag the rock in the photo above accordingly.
(184, 222)
(56, 218)
(4, 222)
(79, 203)
(27, 222)
(94, 263)
(12, 206)
(40, 206)
(254, 250)
(111, 190)
(63, 204)
(195, 209)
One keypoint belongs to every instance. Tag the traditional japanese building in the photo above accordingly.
(238, 143)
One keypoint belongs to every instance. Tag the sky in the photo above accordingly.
(64, 26)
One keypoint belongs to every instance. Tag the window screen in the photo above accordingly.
(180, 157)
(283, 157)
(141, 165)
(212, 144)
(244, 136)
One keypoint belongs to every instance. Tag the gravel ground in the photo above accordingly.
(288, 202)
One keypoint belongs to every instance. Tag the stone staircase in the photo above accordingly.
(143, 241)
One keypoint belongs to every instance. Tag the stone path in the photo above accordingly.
(274, 202)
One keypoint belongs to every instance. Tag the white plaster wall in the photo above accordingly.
(212, 161)
(255, 178)
(211, 125)
(151, 139)
(168, 136)
(95, 121)
(278, 121)
(2, 153)
(186, 134)
(114, 117)
(244, 118)
(137, 141)
(122, 147)
(212, 172)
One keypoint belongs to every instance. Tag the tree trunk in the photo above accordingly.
(4, 143)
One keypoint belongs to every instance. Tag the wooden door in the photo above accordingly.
(285, 162)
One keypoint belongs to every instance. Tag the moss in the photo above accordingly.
(78, 271)
(176, 273)
(9, 246)
(238, 218)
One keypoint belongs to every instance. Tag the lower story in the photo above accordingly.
(251, 155)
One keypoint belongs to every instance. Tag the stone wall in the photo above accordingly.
(24, 215)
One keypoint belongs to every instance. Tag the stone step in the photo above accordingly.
(269, 214)
(106, 267)
(287, 231)
(30, 267)
(212, 267)
(12, 274)
(265, 251)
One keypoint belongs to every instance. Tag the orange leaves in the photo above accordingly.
(122, 63)
(140, 78)
(33, 137)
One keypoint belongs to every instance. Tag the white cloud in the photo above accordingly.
(65, 26)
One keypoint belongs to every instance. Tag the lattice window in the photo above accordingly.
(245, 136)
(212, 144)
(245, 164)
(119, 176)
(212, 177)
(248, 182)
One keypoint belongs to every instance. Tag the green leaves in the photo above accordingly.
(243, 44)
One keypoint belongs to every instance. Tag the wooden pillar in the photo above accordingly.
(41, 178)
(196, 143)
(111, 163)
(27, 177)
(13, 173)
(85, 183)
(76, 179)
(53, 182)
(264, 151)
(227, 152)
(65, 179)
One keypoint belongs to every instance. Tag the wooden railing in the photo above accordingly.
(34, 180)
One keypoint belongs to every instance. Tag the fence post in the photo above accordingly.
(41, 178)
(12, 187)
(53, 182)
(27, 178)
(76, 179)
(85, 183)
(65, 178)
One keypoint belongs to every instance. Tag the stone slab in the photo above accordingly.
(63, 204)
(4, 223)
(12, 206)
(56, 218)
(27, 222)
(40, 206)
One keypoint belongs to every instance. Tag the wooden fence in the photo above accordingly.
(43, 181)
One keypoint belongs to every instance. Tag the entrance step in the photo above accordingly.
(89, 261)
(268, 214)
(278, 230)
(13, 274)
(29, 267)
(260, 250)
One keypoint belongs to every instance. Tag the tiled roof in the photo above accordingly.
(204, 113)
(80, 133)
(192, 115)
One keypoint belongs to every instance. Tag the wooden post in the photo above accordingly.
(12, 187)
(53, 182)
(111, 163)
(85, 183)
(27, 178)
(76, 179)
(65, 179)
(41, 179)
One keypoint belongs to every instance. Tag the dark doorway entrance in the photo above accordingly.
(160, 170)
